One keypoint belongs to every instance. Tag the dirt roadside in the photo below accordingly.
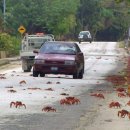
(5, 61)
(9, 63)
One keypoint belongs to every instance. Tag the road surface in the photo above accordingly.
(101, 59)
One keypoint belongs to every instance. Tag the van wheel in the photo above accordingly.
(28, 69)
(25, 66)
(35, 73)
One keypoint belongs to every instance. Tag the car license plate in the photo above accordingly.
(54, 68)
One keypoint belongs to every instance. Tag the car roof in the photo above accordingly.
(60, 42)
(84, 31)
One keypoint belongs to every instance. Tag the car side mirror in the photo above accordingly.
(35, 51)
(80, 53)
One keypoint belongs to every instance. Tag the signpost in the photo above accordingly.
(22, 29)
(129, 33)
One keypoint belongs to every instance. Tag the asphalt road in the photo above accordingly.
(101, 59)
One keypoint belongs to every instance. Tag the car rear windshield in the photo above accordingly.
(83, 33)
(36, 42)
(58, 48)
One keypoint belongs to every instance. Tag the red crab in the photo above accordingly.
(115, 104)
(22, 82)
(99, 95)
(48, 109)
(120, 89)
(49, 89)
(121, 95)
(49, 82)
(69, 101)
(12, 91)
(34, 88)
(128, 103)
(17, 104)
(2, 77)
(57, 82)
(123, 113)
(64, 94)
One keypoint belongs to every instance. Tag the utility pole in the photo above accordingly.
(81, 2)
(4, 8)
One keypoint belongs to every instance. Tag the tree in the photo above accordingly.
(120, 20)
(66, 17)
(44, 15)
(106, 19)
(89, 16)
(119, 1)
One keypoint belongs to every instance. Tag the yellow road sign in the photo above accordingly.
(22, 29)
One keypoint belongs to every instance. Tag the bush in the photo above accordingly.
(121, 44)
(9, 43)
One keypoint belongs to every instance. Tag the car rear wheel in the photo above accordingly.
(80, 76)
(42, 75)
(75, 76)
(35, 73)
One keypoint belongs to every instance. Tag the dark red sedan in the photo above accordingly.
(57, 57)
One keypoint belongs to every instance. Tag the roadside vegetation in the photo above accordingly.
(10, 44)
(121, 44)
(106, 19)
